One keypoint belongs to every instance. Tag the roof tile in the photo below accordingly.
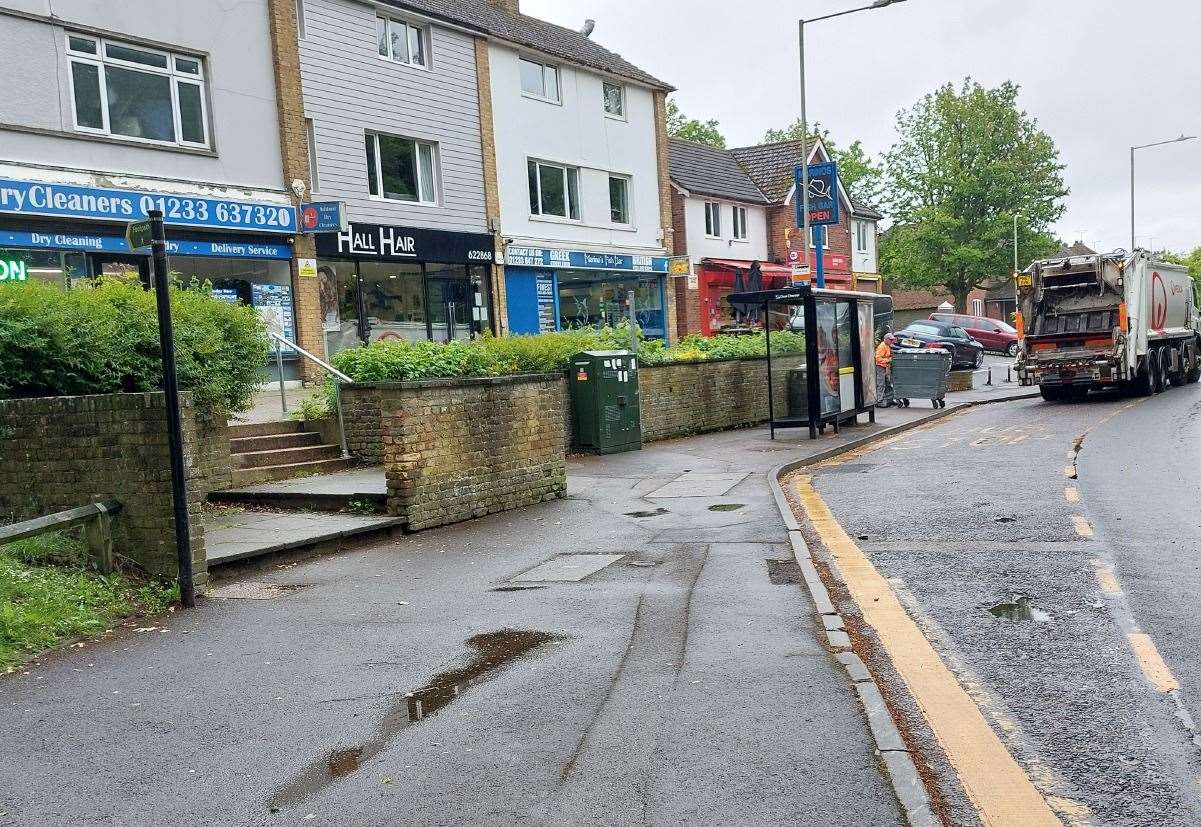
(708, 170)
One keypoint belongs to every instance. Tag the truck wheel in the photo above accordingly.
(1154, 376)
(1165, 368)
(1051, 393)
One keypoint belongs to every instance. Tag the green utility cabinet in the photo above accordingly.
(604, 401)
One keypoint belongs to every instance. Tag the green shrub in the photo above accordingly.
(104, 339)
(396, 361)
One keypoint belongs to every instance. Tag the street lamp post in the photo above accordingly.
(878, 4)
(1181, 139)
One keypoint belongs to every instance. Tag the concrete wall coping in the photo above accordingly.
(458, 382)
(99, 401)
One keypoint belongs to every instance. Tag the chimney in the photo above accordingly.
(512, 7)
(589, 26)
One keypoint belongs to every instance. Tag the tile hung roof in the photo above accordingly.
(524, 30)
(707, 170)
(771, 168)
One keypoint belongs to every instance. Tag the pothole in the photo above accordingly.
(643, 514)
(727, 506)
(1020, 608)
(491, 653)
(516, 588)
(1005, 519)
(642, 564)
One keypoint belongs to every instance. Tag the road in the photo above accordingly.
(416, 682)
(1065, 607)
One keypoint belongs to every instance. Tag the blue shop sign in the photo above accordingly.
(101, 204)
(323, 217)
(823, 194)
(114, 244)
(583, 260)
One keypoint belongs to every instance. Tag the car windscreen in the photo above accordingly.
(924, 329)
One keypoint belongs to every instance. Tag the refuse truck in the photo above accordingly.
(1106, 320)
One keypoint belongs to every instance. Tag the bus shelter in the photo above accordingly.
(834, 379)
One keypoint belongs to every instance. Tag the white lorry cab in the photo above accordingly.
(1097, 321)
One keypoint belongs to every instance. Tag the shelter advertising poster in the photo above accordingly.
(867, 347)
(827, 358)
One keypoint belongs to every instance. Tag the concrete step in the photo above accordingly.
(271, 442)
(250, 476)
(249, 429)
(285, 456)
(234, 536)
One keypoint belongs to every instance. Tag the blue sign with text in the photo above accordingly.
(323, 217)
(823, 194)
(102, 204)
(583, 260)
(114, 244)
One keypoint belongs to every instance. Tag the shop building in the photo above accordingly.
(581, 169)
(720, 221)
(136, 106)
(849, 252)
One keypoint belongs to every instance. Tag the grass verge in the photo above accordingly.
(49, 593)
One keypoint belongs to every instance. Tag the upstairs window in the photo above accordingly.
(861, 237)
(539, 80)
(554, 190)
(401, 42)
(619, 199)
(400, 169)
(615, 100)
(739, 229)
(713, 219)
(133, 92)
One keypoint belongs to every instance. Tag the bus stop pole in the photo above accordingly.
(179, 483)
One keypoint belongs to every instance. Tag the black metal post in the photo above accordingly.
(811, 365)
(771, 401)
(166, 336)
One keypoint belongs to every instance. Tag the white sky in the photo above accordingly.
(1100, 75)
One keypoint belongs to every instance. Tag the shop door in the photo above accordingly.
(449, 303)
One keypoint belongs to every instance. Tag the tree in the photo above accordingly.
(966, 162)
(862, 177)
(1192, 261)
(680, 125)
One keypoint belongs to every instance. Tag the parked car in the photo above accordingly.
(966, 352)
(994, 334)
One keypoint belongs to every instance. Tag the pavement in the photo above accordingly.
(1064, 607)
(235, 534)
(424, 679)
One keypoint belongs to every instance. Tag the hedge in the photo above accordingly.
(399, 361)
(104, 339)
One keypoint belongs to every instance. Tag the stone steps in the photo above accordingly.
(271, 442)
(285, 456)
(269, 473)
(268, 451)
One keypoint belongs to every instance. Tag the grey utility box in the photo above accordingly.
(604, 401)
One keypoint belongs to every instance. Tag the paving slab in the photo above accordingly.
(237, 534)
(567, 568)
(369, 480)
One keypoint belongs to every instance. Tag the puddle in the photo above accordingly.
(857, 468)
(1005, 520)
(644, 564)
(1020, 609)
(727, 506)
(516, 588)
(489, 654)
(640, 514)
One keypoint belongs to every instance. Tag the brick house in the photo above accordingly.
(850, 255)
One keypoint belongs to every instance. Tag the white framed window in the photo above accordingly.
(861, 229)
(739, 228)
(401, 169)
(713, 219)
(554, 190)
(311, 137)
(977, 307)
(539, 80)
(615, 99)
(402, 42)
(619, 199)
(134, 92)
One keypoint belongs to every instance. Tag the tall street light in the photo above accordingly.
(1181, 139)
(878, 4)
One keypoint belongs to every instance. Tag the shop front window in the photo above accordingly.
(50, 266)
(264, 284)
(393, 301)
(602, 299)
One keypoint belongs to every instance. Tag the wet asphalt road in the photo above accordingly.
(677, 686)
(971, 513)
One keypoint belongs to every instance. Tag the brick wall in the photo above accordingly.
(62, 452)
(294, 146)
(361, 422)
(483, 82)
(781, 224)
(457, 449)
(688, 302)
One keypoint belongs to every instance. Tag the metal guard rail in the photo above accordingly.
(338, 376)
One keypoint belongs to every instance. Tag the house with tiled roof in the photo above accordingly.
(850, 250)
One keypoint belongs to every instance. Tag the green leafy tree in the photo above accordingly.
(680, 125)
(859, 173)
(1192, 261)
(966, 162)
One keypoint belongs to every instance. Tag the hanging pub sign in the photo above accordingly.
(823, 194)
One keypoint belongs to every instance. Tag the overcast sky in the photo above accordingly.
(1100, 75)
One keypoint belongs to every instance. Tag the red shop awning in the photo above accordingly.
(720, 272)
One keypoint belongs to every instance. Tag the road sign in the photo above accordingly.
(679, 266)
(800, 273)
(323, 217)
(823, 194)
(138, 235)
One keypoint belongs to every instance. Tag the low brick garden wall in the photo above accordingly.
(463, 448)
(57, 453)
